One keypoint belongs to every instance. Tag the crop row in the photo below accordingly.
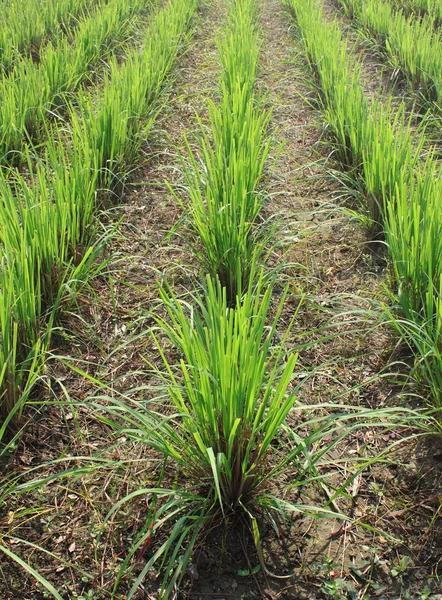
(412, 45)
(404, 193)
(225, 201)
(421, 8)
(26, 23)
(49, 238)
(33, 91)
(229, 393)
(49, 231)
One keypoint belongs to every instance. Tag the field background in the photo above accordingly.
(107, 126)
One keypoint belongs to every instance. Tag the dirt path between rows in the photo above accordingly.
(328, 245)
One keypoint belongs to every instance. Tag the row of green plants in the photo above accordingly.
(52, 239)
(373, 140)
(403, 190)
(24, 25)
(46, 236)
(412, 46)
(420, 8)
(47, 215)
(117, 123)
(224, 175)
(35, 91)
(221, 407)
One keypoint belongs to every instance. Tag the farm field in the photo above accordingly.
(220, 299)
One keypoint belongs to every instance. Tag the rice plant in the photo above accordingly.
(412, 45)
(239, 47)
(376, 143)
(391, 153)
(48, 254)
(340, 94)
(23, 345)
(115, 125)
(26, 23)
(33, 90)
(413, 235)
(229, 396)
(421, 8)
(224, 200)
(224, 174)
(49, 214)
(233, 396)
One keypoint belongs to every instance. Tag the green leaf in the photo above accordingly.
(247, 573)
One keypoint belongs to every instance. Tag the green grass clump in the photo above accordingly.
(390, 156)
(22, 347)
(116, 124)
(225, 173)
(224, 201)
(411, 45)
(25, 24)
(48, 254)
(420, 8)
(231, 392)
(34, 91)
(374, 143)
(413, 235)
(229, 395)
